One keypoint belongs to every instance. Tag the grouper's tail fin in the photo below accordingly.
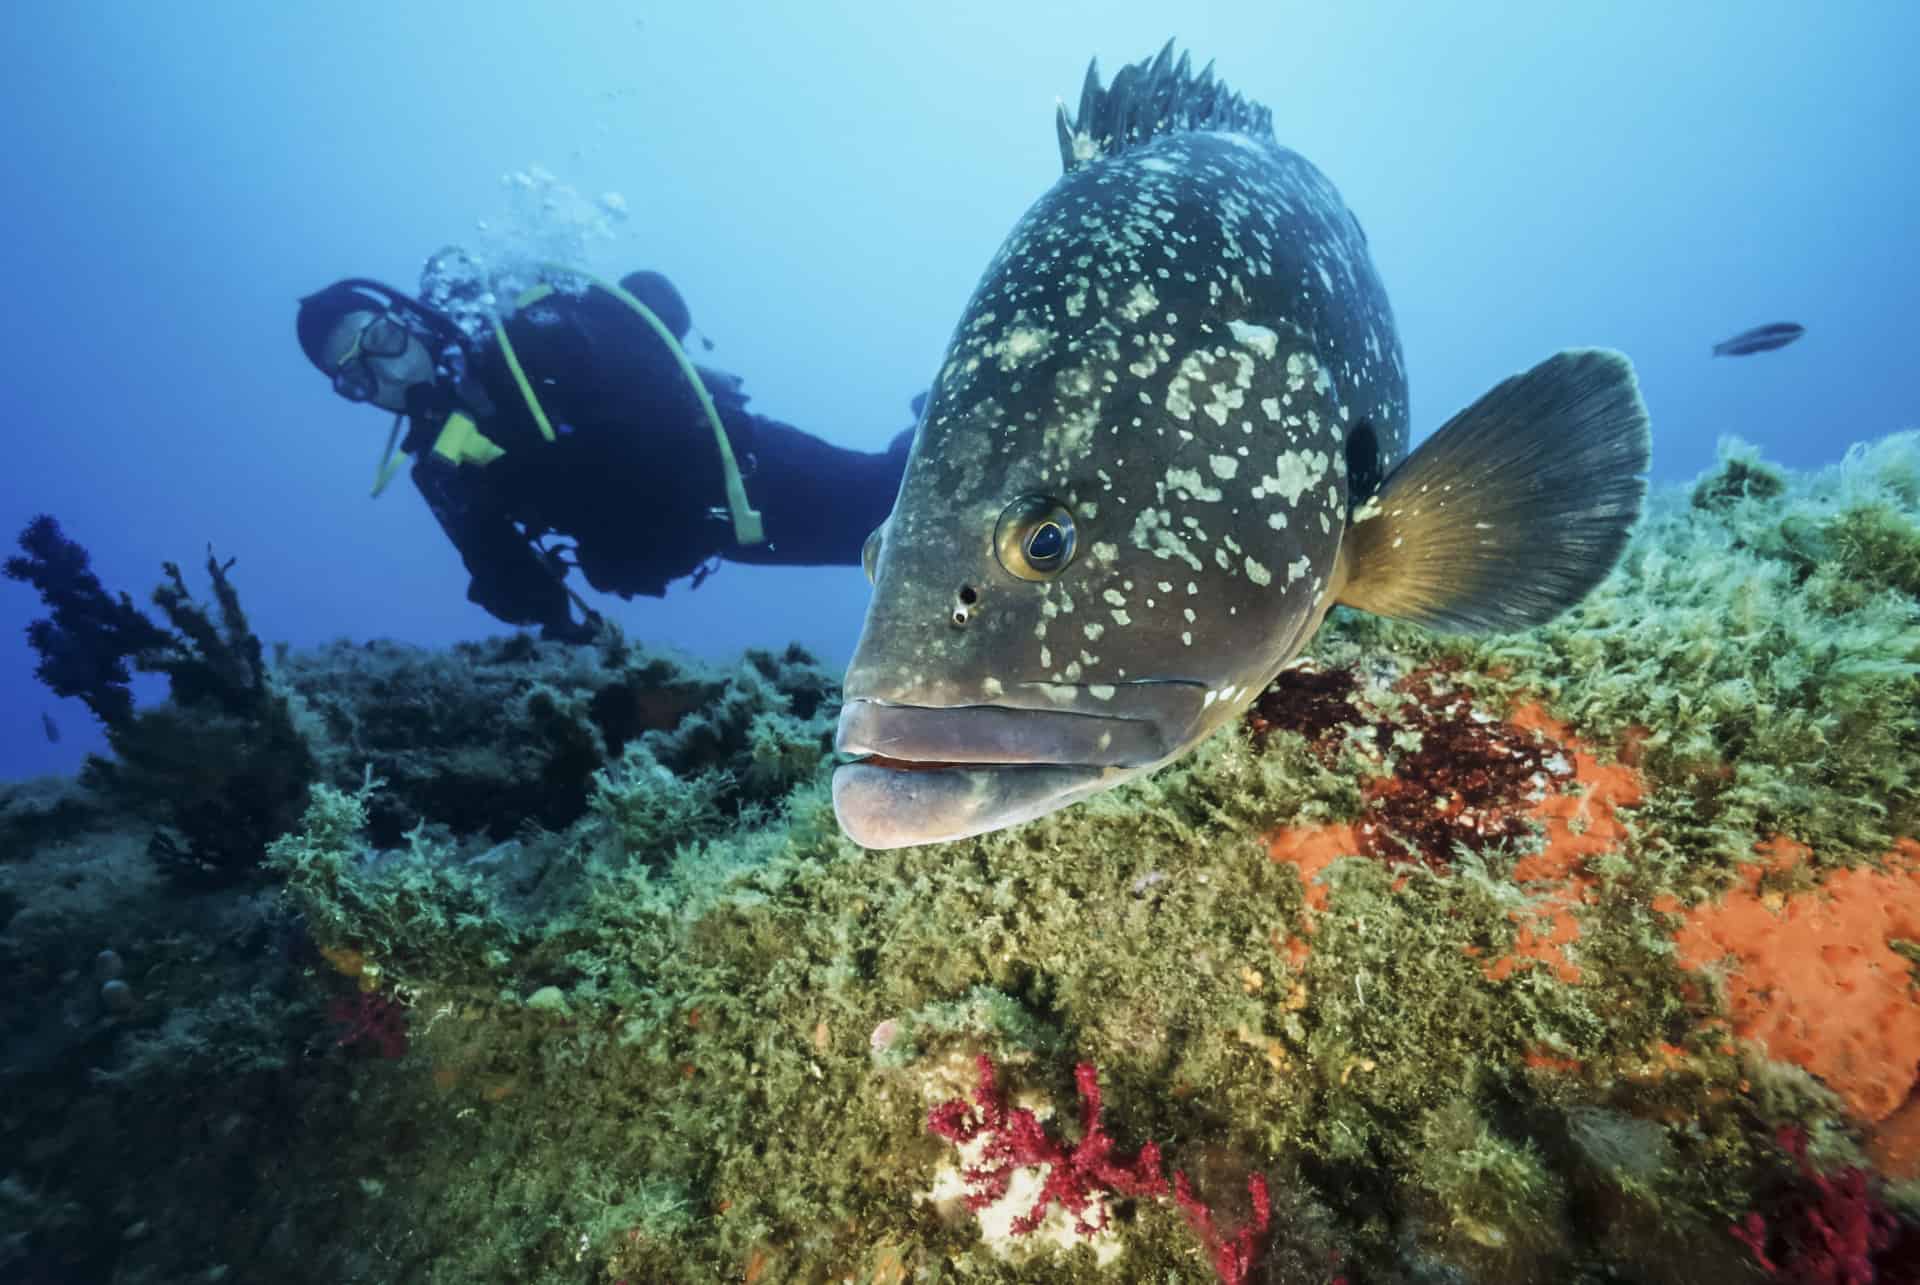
(1148, 98)
(1515, 509)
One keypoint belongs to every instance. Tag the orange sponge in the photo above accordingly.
(1813, 978)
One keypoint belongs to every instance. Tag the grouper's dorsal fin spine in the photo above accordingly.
(1149, 98)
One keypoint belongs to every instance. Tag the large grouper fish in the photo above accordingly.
(1169, 434)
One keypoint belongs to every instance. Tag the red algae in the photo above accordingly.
(1457, 785)
(1473, 781)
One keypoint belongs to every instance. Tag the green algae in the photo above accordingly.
(1769, 643)
(666, 1024)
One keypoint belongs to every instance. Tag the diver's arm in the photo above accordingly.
(819, 502)
(508, 579)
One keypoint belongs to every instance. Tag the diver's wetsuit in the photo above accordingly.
(633, 475)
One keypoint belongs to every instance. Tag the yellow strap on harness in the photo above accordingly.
(513, 362)
(747, 528)
(462, 441)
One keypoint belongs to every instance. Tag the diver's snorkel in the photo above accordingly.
(389, 456)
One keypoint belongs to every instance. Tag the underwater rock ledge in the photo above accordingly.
(1576, 955)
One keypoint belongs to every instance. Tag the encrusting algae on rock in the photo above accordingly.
(1577, 955)
(1822, 977)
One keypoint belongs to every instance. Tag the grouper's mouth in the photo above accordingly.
(926, 774)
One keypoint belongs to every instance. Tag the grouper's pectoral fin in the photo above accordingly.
(1515, 509)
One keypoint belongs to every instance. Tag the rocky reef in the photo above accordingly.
(1582, 955)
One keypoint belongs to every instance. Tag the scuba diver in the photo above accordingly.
(575, 431)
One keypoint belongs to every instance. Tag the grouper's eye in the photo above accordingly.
(870, 553)
(1034, 538)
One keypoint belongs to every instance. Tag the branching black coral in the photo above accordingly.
(217, 665)
(222, 761)
(85, 644)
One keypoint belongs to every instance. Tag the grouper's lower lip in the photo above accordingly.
(890, 807)
(933, 774)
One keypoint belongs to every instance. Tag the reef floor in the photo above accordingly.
(1581, 955)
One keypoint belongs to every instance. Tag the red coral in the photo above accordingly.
(372, 1021)
(1014, 1139)
(1232, 1255)
(1830, 1229)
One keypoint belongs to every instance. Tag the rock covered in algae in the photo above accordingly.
(1499, 960)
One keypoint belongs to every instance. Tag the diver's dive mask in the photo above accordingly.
(398, 318)
(384, 336)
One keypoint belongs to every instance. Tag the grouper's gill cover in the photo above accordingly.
(1126, 504)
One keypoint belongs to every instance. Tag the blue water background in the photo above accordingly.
(825, 182)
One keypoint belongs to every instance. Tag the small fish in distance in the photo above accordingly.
(1760, 339)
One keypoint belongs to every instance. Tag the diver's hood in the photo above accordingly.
(435, 328)
(322, 310)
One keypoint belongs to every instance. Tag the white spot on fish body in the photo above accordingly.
(1188, 480)
(1296, 371)
(1140, 301)
(1293, 473)
(1262, 340)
